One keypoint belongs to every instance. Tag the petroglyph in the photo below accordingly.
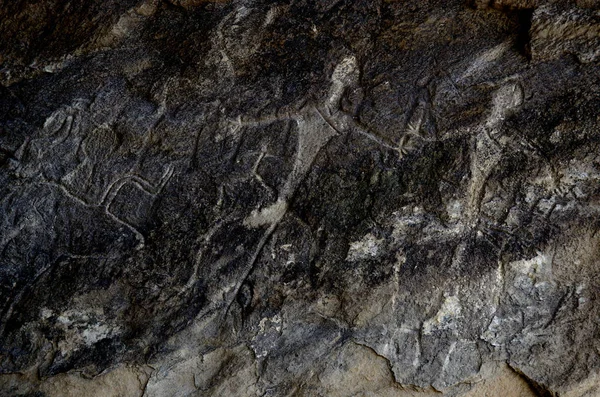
(109, 195)
(317, 187)
(72, 135)
(141, 183)
(487, 149)
(268, 215)
(236, 35)
(483, 61)
(316, 125)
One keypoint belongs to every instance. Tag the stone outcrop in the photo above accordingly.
(299, 198)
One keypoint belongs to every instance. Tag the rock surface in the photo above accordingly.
(299, 198)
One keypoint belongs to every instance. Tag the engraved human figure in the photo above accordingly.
(316, 125)
(487, 149)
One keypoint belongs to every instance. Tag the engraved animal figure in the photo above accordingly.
(71, 134)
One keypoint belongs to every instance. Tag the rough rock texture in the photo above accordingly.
(299, 198)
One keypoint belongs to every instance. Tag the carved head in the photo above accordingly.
(346, 72)
(506, 99)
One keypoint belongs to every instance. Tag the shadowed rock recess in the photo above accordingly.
(300, 198)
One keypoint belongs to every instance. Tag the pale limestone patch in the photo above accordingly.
(96, 333)
(498, 380)
(176, 380)
(221, 372)
(455, 210)
(367, 247)
(122, 381)
(536, 267)
(444, 318)
(267, 322)
(82, 327)
(266, 339)
(356, 370)
(589, 387)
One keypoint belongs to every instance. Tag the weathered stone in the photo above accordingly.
(298, 198)
(556, 31)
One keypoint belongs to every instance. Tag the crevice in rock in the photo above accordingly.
(523, 44)
(400, 385)
(539, 389)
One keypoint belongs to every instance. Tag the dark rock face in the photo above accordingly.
(307, 198)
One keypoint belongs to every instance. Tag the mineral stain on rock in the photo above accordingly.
(299, 198)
